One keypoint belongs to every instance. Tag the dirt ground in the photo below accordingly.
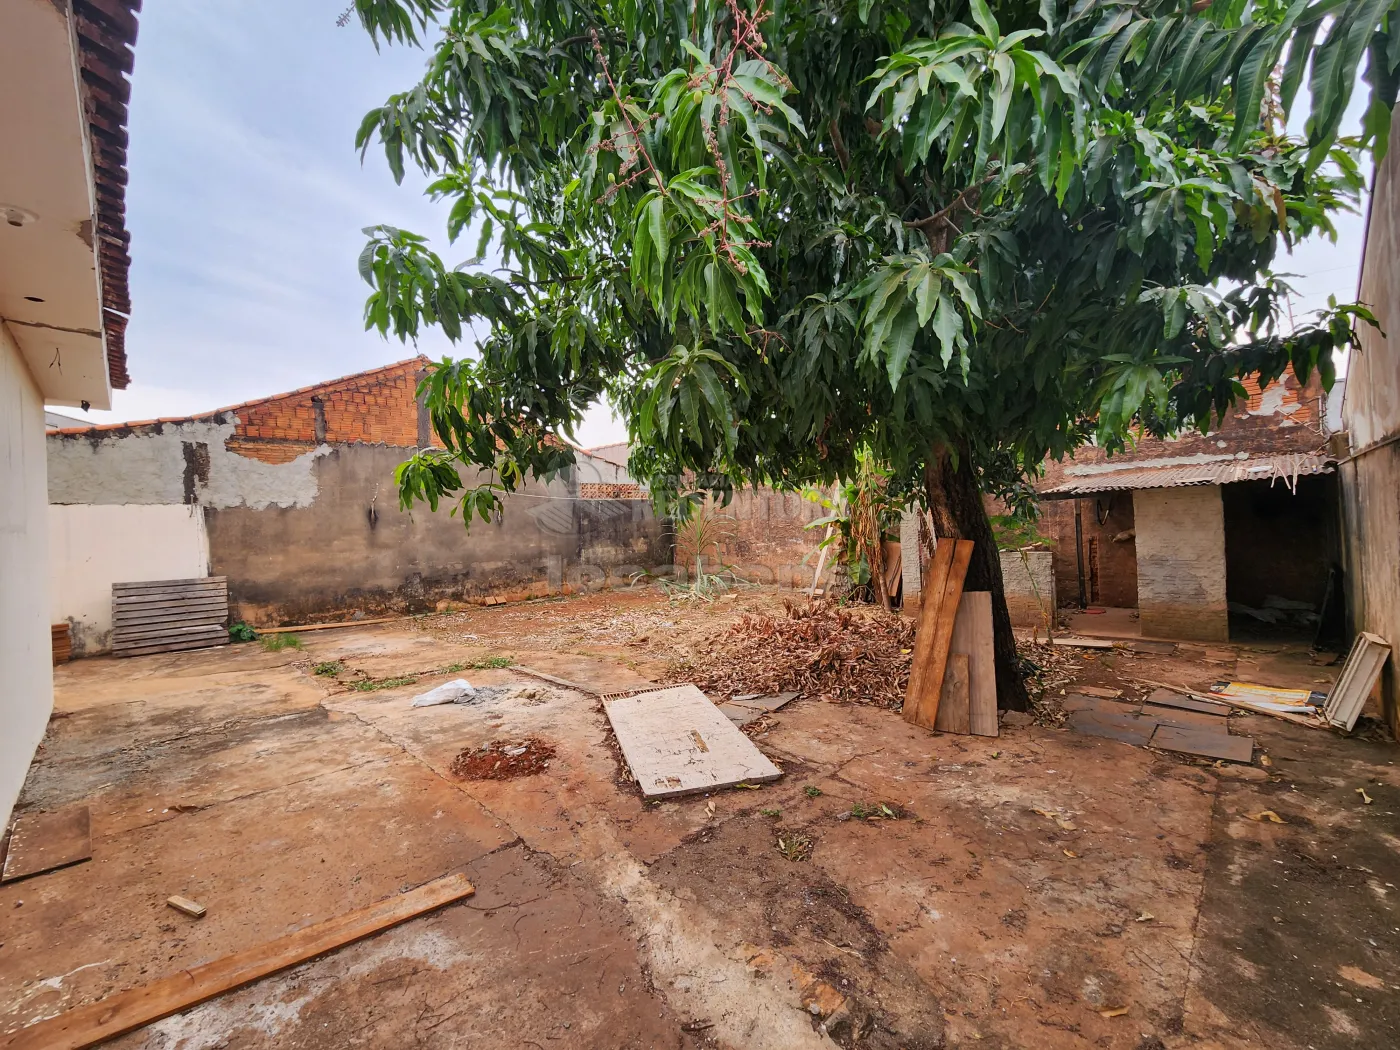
(1037, 890)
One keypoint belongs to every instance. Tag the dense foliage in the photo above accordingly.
(777, 236)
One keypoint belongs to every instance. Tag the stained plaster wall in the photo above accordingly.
(1370, 476)
(26, 653)
(1181, 563)
(172, 463)
(352, 550)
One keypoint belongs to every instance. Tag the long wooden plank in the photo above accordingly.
(175, 629)
(925, 712)
(138, 607)
(153, 585)
(204, 636)
(935, 577)
(972, 634)
(329, 626)
(676, 741)
(165, 646)
(126, 1011)
(218, 615)
(953, 714)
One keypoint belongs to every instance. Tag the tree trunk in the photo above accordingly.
(955, 504)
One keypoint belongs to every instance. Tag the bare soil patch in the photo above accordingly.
(504, 760)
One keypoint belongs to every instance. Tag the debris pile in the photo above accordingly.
(816, 648)
(503, 760)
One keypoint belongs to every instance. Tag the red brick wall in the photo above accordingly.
(378, 407)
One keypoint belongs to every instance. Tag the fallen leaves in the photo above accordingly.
(816, 648)
(1268, 815)
(1366, 799)
(1061, 822)
(1117, 1011)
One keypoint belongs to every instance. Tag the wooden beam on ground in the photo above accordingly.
(327, 626)
(126, 1011)
(931, 653)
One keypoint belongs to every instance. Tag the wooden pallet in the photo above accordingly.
(62, 639)
(165, 616)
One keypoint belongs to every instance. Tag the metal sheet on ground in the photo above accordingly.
(1113, 725)
(1204, 742)
(676, 742)
(47, 841)
(1171, 716)
(1166, 698)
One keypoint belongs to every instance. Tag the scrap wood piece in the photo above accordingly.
(1204, 742)
(48, 841)
(126, 1011)
(1174, 716)
(937, 618)
(657, 732)
(1344, 703)
(159, 616)
(557, 681)
(193, 909)
(972, 634)
(953, 713)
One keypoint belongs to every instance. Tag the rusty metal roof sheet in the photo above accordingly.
(1112, 478)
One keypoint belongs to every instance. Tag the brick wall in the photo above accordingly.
(1109, 554)
(378, 407)
(1181, 563)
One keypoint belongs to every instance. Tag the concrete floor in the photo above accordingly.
(1034, 887)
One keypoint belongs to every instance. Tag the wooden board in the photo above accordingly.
(953, 704)
(1208, 743)
(935, 633)
(935, 577)
(46, 841)
(1359, 673)
(162, 616)
(126, 1011)
(972, 634)
(676, 742)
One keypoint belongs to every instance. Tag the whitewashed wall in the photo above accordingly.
(26, 652)
(94, 546)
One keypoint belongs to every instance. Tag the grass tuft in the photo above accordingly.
(275, 643)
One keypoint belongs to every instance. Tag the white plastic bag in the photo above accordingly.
(455, 692)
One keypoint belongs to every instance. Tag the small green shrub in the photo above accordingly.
(490, 662)
(274, 643)
(369, 685)
(241, 632)
(812, 791)
(772, 814)
(332, 668)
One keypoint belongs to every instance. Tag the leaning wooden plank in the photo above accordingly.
(46, 841)
(972, 634)
(953, 704)
(935, 579)
(137, 607)
(126, 1011)
(205, 618)
(676, 742)
(926, 708)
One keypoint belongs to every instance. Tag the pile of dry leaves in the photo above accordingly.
(817, 648)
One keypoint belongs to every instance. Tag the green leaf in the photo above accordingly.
(982, 15)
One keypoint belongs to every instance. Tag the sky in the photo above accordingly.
(247, 199)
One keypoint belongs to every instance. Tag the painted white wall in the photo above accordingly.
(92, 547)
(26, 651)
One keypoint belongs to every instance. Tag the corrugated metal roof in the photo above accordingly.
(1286, 468)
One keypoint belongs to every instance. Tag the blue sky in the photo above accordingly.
(247, 199)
